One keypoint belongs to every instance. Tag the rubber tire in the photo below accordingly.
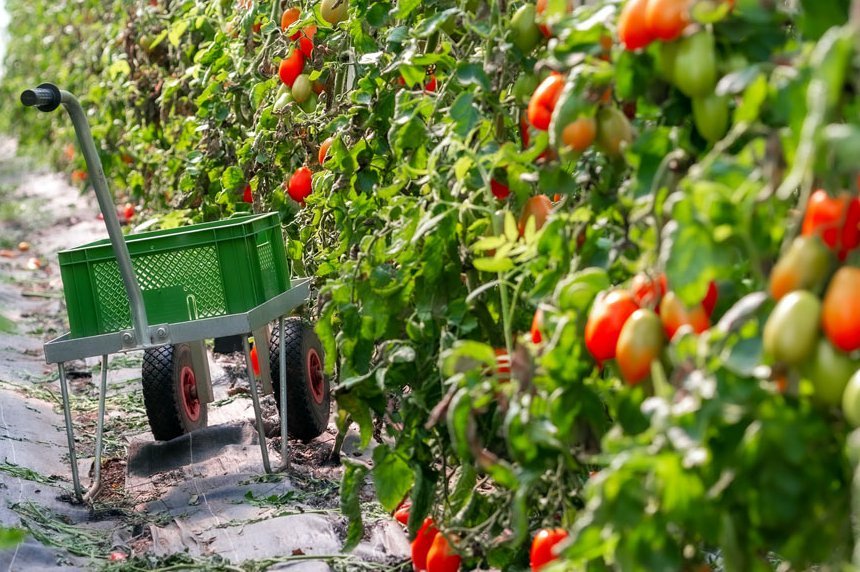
(162, 392)
(306, 418)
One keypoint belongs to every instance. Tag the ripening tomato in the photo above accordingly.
(323, 152)
(541, 552)
(614, 131)
(632, 28)
(695, 70)
(639, 343)
(841, 309)
(666, 19)
(829, 371)
(543, 101)
(422, 543)
(835, 219)
(300, 185)
(500, 190)
(441, 556)
(648, 291)
(579, 134)
(301, 90)
(804, 266)
(608, 315)
(291, 67)
(334, 11)
(791, 331)
(247, 195)
(537, 326)
(290, 17)
(537, 207)
(674, 314)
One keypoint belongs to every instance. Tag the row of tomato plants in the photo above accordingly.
(574, 265)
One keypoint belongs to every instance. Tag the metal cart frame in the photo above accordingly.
(142, 335)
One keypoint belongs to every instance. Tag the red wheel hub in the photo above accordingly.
(315, 375)
(188, 391)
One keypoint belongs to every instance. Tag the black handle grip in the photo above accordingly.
(46, 97)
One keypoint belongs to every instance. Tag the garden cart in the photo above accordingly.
(165, 292)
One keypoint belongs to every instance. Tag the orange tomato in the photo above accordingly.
(633, 30)
(441, 556)
(674, 314)
(290, 17)
(537, 325)
(537, 207)
(323, 152)
(608, 315)
(543, 101)
(580, 133)
(255, 362)
(648, 291)
(840, 317)
(666, 19)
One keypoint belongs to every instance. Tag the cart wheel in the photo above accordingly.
(170, 392)
(308, 400)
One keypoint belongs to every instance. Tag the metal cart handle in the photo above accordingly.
(47, 97)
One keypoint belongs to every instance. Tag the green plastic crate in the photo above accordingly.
(185, 274)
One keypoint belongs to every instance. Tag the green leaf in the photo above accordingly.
(688, 256)
(472, 74)
(391, 476)
(464, 113)
(458, 419)
(493, 264)
(350, 501)
(177, 29)
(232, 179)
(406, 7)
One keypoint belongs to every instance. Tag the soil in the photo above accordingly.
(202, 500)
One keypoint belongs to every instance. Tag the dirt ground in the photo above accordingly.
(201, 501)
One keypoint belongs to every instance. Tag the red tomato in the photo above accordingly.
(835, 219)
(840, 317)
(247, 195)
(422, 543)
(255, 363)
(666, 19)
(543, 101)
(402, 515)
(542, 545)
(500, 190)
(537, 326)
(117, 556)
(709, 302)
(608, 315)
(128, 211)
(632, 28)
(537, 207)
(674, 314)
(430, 86)
(503, 363)
(524, 131)
(648, 291)
(540, 8)
(290, 17)
(300, 185)
(441, 556)
(291, 67)
(323, 152)
(306, 46)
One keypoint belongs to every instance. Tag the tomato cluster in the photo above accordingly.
(793, 332)
(431, 549)
(644, 21)
(632, 326)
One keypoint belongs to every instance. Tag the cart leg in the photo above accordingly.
(70, 435)
(261, 433)
(100, 427)
(282, 388)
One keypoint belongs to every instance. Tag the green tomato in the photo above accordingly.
(302, 88)
(695, 70)
(524, 87)
(829, 371)
(851, 400)
(711, 116)
(792, 330)
(310, 104)
(524, 32)
(334, 11)
(667, 55)
(613, 130)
